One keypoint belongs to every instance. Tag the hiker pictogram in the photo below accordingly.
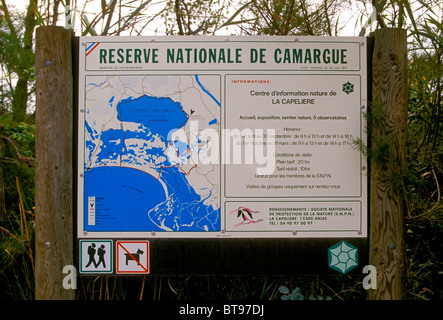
(101, 256)
(96, 256)
(91, 254)
(100, 252)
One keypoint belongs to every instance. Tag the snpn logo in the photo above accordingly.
(70, 280)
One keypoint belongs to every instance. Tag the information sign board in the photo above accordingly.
(222, 137)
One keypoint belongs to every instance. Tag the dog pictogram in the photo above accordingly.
(134, 256)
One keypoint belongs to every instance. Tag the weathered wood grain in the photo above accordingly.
(54, 162)
(390, 93)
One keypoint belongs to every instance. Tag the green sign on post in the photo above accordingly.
(343, 257)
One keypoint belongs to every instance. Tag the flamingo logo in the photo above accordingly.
(246, 215)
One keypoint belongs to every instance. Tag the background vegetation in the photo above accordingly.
(420, 181)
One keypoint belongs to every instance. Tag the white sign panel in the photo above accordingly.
(222, 137)
(96, 256)
(132, 257)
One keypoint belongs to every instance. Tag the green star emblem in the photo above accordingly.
(348, 87)
(343, 257)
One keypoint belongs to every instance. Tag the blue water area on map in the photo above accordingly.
(180, 146)
(91, 131)
(207, 92)
(112, 144)
(127, 199)
(123, 198)
(184, 210)
(146, 152)
(160, 115)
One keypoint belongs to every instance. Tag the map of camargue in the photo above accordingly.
(138, 175)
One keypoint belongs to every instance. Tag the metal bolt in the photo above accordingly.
(362, 44)
(48, 63)
(294, 233)
(362, 106)
(296, 40)
(81, 175)
(392, 246)
(153, 233)
(395, 68)
(85, 233)
(47, 244)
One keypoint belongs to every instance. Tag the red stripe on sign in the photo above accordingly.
(138, 262)
(92, 48)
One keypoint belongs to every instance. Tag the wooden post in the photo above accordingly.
(54, 162)
(390, 99)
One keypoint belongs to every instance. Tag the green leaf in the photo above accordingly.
(296, 290)
(295, 296)
(283, 290)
